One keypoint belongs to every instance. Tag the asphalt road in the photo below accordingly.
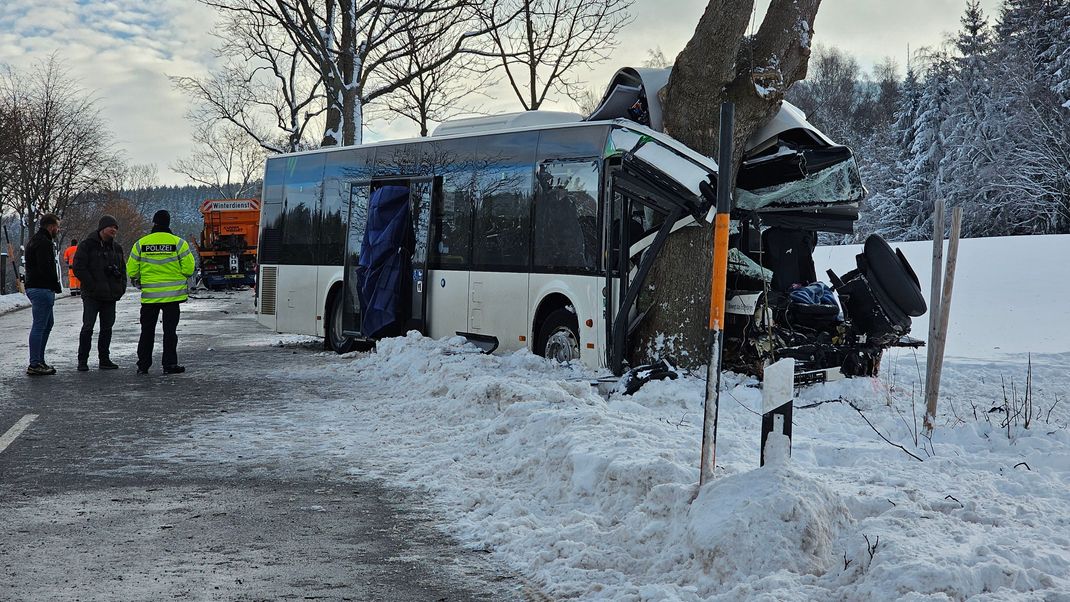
(94, 504)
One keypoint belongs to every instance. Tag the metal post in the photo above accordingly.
(3, 272)
(718, 291)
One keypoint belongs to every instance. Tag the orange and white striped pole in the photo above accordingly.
(718, 292)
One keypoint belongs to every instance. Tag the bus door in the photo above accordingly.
(411, 308)
(646, 206)
(420, 203)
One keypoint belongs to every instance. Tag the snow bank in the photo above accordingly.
(13, 301)
(597, 497)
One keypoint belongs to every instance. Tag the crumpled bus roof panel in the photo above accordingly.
(788, 162)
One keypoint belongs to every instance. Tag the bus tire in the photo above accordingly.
(559, 337)
(334, 338)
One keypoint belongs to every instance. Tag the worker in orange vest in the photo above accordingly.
(68, 256)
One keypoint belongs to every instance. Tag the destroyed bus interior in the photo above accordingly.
(793, 184)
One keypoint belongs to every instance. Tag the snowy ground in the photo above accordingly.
(595, 497)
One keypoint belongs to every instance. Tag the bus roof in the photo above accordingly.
(472, 134)
(662, 137)
(505, 121)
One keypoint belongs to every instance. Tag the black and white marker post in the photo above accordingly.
(778, 395)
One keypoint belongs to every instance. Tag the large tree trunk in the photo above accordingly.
(719, 64)
(331, 65)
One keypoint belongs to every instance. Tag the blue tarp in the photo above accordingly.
(385, 254)
(817, 293)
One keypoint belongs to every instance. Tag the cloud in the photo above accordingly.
(121, 52)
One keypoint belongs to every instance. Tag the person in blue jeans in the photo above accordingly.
(42, 284)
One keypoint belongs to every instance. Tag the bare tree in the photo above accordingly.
(655, 59)
(62, 153)
(265, 87)
(831, 93)
(588, 100)
(348, 43)
(10, 125)
(137, 182)
(435, 93)
(226, 160)
(542, 47)
(132, 222)
(720, 63)
(140, 175)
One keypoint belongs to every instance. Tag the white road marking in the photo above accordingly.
(16, 430)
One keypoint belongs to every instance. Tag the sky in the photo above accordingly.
(123, 52)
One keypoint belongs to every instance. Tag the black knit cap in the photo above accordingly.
(161, 218)
(105, 222)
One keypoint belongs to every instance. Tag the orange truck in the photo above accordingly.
(228, 242)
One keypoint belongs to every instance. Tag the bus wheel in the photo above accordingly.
(335, 339)
(559, 337)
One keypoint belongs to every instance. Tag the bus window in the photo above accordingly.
(358, 221)
(451, 223)
(566, 216)
(398, 160)
(274, 177)
(501, 200)
(571, 143)
(343, 168)
(270, 244)
(301, 199)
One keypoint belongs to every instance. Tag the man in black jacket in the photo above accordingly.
(100, 266)
(42, 284)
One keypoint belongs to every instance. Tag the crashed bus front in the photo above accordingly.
(794, 182)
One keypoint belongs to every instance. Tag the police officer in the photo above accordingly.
(161, 263)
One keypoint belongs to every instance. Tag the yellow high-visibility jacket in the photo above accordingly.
(162, 262)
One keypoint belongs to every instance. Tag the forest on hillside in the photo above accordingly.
(982, 122)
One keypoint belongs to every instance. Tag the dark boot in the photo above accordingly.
(173, 369)
(106, 364)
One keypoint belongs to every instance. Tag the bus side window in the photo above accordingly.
(451, 219)
(301, 204)
(566, 216)
(502, 222)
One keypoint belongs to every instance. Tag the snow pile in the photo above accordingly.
(595, 496)
(758, 523)
(12, 302)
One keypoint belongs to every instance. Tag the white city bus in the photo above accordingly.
(521, 222)
(510, 229)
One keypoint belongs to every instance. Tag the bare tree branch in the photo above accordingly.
(539, 43)
(61, 154)
(226, 160)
